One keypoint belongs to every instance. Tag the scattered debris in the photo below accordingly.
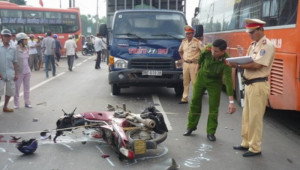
(289, 160)
(45, 135)
(43, 103)
(105, 156)
(35, 119)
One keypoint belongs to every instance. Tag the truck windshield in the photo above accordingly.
(149, 25)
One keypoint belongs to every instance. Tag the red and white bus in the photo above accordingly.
(39, 20)
(224, 19)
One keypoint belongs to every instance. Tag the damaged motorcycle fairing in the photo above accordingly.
(129, 133)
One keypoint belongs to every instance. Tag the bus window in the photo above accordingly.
(33, 14)
(11, 13)
(249, 9)
(34, 29)
(54, 28)
(70, 28)
(287, 12)
(69, 16)
(14, 28)
(53, 15)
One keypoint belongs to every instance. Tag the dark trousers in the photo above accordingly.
(98, 61)
(49, 58)
(70, 61)
(57, 56)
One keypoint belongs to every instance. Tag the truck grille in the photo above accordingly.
(151, 63)
(277, 77)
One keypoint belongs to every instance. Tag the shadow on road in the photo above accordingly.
(285, 118)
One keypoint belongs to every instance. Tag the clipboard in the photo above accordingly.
(240, 60)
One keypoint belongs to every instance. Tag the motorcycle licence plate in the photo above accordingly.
(152, 73)
(139, 147)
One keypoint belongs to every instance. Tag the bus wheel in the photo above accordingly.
(178, 90)
(115, 89)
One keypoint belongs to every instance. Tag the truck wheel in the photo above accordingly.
(178, 89)
(115, 89)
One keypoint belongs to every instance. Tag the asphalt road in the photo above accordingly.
(87, 90)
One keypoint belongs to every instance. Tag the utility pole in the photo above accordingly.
(73, 3)
(70, 3)
(97, 19)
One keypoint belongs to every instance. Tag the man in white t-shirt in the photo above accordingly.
(33, 54)
(70, 47)
(99, 46)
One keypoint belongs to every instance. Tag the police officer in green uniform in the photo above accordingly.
(213, 67)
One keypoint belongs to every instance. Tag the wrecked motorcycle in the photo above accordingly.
(128, 133)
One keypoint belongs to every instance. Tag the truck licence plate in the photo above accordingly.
(152, 73)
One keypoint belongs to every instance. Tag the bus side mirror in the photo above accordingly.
(198, 31)
(103, 30)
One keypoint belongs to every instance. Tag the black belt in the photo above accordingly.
(188, 61)
(248, 82)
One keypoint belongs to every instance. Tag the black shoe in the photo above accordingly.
(211, 137)
(249, 154)
(189, 132)
(241, 148)
(183, 102)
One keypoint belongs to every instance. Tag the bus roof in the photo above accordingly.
(8, 5)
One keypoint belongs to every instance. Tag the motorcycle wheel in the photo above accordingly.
(159, 139)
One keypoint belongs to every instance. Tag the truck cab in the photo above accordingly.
(143, 47)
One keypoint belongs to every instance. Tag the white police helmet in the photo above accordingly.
(5, 32)
(21, 36)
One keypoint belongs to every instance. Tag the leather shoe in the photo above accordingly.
(211, 137)
(241, 148)
(189, 132)
(249, 154)
(183, 102)
(7, 110)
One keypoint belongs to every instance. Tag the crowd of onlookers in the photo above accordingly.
(20, 54)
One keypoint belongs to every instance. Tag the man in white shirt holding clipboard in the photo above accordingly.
(257, 87)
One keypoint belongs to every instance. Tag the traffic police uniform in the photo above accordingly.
(191, 52)
(256, 93)
(209, 78)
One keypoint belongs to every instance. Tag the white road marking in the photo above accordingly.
(40, 84)
(48, 80)
(109, 161)
(160, 108)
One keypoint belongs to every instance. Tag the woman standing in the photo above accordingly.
(24, 72)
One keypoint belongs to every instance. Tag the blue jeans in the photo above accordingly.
(51, 59)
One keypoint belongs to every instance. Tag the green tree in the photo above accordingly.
(19, 2)
(89, 21)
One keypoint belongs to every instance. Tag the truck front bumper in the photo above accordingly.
(134, 77)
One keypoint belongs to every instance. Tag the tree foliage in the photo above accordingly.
(19, 2)
(90, 22)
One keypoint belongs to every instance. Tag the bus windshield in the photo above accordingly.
(150, 25)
